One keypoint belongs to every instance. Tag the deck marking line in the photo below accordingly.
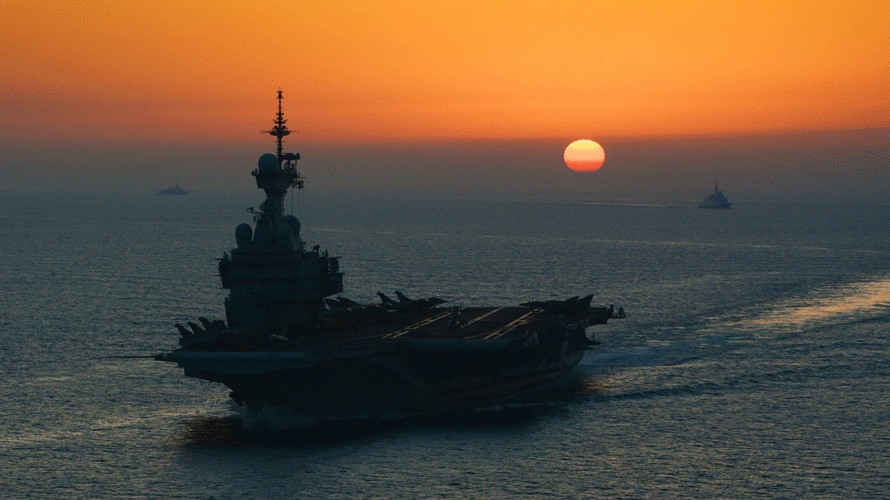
(489, 313)
(415, 326)
(500, 332)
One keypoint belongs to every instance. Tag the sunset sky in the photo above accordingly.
(175, 75)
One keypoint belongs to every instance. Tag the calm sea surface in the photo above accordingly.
(753, 361)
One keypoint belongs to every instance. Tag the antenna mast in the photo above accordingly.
(276, 178)
(279, 131)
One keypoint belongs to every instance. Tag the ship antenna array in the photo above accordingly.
(280, 131)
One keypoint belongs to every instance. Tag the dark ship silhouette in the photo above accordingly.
(716, 200)
(286, 343)
(174, 190)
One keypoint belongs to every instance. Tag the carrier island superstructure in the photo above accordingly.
(288, 343)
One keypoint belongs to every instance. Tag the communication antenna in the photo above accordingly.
(280, 130)
(277, 173)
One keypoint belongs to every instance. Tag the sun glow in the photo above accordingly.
(584, 156)
(372, 71)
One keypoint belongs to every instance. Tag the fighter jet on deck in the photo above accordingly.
(405, 304)
(571, 304)
(340, 303)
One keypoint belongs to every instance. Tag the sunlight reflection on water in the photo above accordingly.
(849, 303)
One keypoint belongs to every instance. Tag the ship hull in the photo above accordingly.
(398, 380)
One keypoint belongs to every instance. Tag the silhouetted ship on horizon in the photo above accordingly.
(174, 190)
(287, 343)
(716, 200)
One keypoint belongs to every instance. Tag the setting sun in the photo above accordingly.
(584, 156)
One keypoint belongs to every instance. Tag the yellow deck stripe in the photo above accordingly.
(513, 324)
(415, 326)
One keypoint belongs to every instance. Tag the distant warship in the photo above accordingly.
(716, 200)
(174, 190)
(287, 343)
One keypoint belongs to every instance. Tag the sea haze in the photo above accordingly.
(752, 363)
(798, 166)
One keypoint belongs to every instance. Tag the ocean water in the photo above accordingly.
(753, 362)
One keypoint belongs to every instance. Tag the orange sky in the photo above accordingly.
(397, 70)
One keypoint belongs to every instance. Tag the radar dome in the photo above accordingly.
(268, 163)
(294, 224)
(243, 234)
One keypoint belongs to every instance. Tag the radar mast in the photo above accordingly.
(280, 130)
(277, 173)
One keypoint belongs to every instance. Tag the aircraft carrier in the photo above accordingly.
(287, 341)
